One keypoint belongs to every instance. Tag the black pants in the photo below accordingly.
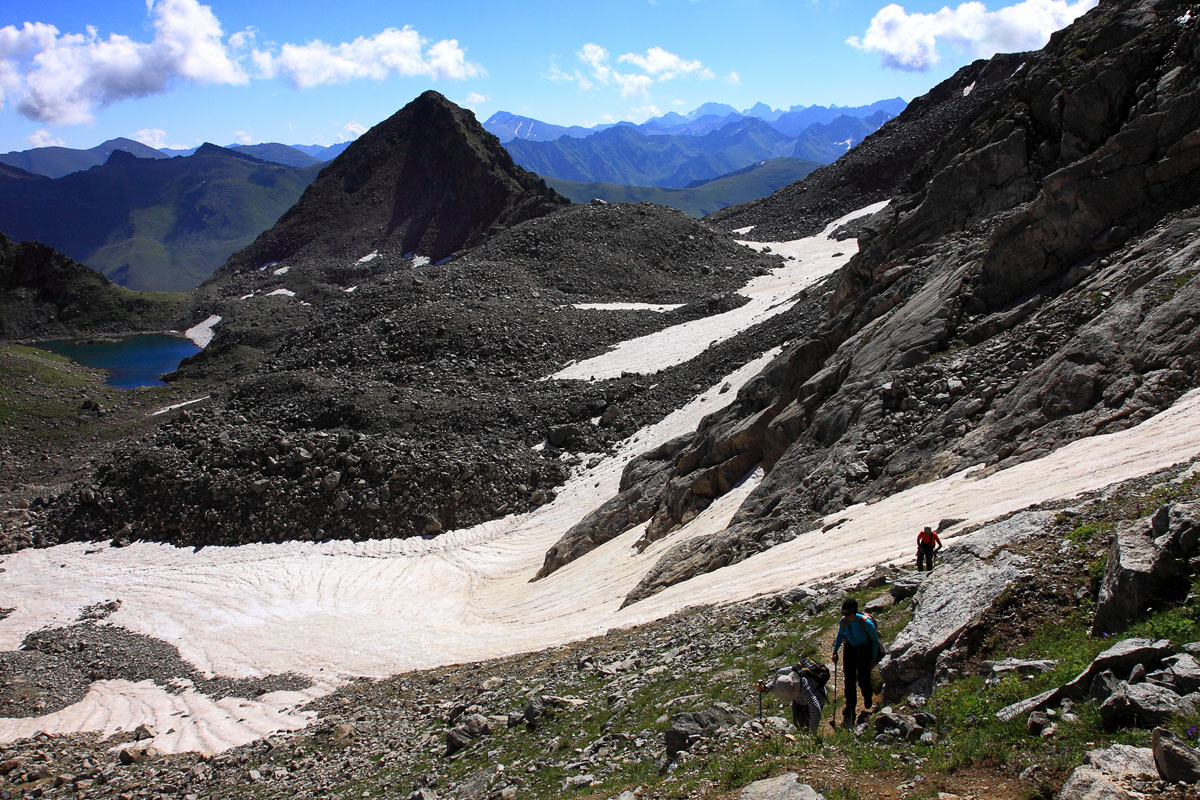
(858, 663)
(925, 553)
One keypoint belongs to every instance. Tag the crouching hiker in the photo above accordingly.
(803, 685)
(857, 632)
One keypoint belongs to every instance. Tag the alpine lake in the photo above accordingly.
(130, 361)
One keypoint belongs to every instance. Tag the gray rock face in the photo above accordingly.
(636, 502)
(782, 787)
(690, 726)
(1104, 774)
(989, 247)
(1174, 759)
(1181, 675)
(1146, 566)
(1143, 705)
(951, 601)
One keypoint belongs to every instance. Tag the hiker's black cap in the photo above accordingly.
(850, 604)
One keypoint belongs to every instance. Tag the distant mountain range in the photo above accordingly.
(152, 223)
(55, 162)
(706, 197)
(704, 119)
(626, 155)
(294, 155)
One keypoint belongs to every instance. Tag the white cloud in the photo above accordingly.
(644, 112)
(390, 52)
(44, 138)
(351, 131)
(910, 41)
(243, 137)
(475, 99)
(733, 79)
(63, 79)
(663, 66)
(655, 65)
(151, 137)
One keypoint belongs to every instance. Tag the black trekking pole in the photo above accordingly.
(762, 687)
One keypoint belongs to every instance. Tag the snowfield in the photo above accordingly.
(202, 334)
(333, 610)
(807, 261)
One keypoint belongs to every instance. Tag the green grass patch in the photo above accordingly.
(1091, 530)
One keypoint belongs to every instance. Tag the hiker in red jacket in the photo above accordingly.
(928, 543)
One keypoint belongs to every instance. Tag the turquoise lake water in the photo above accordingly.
(133, 361)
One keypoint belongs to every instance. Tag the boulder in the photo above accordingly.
(1174, 759)
(456, 739)
(690, 726)
(1103, 773)
(881, 603)
(906, 585)
(782, 787)
(1181, 674)
(1144, 705)
(1103, 685)
(1147, 566)
(905, 726)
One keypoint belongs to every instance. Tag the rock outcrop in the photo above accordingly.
(690, 726)
(1147, 566)
(1108, 773)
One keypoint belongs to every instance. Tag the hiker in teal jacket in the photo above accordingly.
(861, 642)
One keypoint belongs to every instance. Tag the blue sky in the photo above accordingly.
(179, 72)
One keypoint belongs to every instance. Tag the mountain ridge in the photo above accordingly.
(159, 224)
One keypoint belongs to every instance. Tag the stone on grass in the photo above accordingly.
(1103, 774)
(1147, 566)
(1142, 705)
(690, 726)
(782, 787)
(1175, 760)
(1120, 659)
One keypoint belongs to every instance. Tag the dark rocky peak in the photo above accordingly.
(210, 150)
(121, 157)
(429, 180)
